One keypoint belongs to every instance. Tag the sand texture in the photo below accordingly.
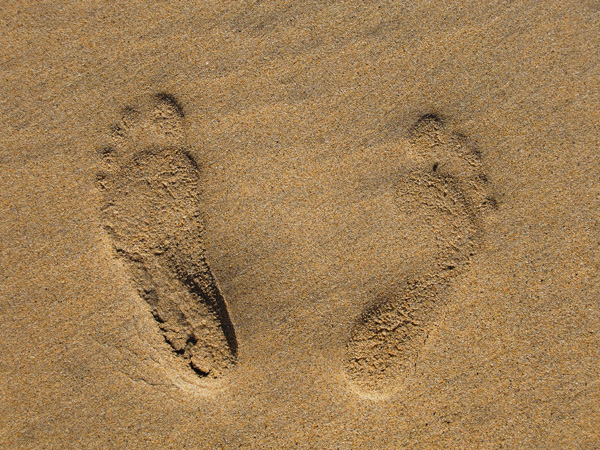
(300, 225)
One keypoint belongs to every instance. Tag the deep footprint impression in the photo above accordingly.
(151, 211)
(445, 199)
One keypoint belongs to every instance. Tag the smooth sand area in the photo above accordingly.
(300, 225)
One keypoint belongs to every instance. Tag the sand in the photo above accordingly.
(311, 225)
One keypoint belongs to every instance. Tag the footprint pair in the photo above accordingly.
(151, 210)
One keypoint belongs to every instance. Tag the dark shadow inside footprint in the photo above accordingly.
(215, 299)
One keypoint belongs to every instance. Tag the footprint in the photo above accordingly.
(442, 203)
(151, 189)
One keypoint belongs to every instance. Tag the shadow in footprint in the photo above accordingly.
(442, 204)
(151, 189)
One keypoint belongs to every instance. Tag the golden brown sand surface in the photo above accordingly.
(311, 225)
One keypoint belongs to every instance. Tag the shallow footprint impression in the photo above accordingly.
(151, 211)
(443, 201)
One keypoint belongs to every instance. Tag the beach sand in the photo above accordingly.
(300, 225)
